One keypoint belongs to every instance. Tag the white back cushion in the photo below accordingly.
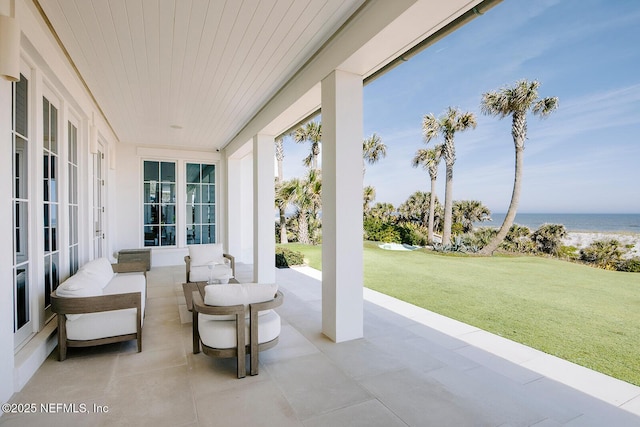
(99, 270)
(211, 253)
(235, 294)
(79, 285)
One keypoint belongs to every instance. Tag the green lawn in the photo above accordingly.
(582, 314)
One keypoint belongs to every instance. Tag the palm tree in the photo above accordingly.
(368, 196)
(312, 133)
(466, 212)
(451, 122)
(281, 206)
(305, 195)
(430, 160)
(416, 208)
(382, 211)
(515, 101)
(373, 149)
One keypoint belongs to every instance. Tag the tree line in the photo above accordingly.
(304, 194)
(422, 220)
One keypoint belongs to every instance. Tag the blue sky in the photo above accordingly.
(584, 158)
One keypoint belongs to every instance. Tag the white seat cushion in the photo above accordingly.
(109, 323)
(102, 325)
(222, 333)
(123, 283)
(202, 273)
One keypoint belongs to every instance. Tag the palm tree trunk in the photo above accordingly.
(448, 206)
(432, 211)
(283, 227)
(513, 206)
(303, 229)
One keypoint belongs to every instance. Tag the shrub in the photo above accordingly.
(286, 257)
(456, 245)
(605, 254)
(480, 237)
(629, 265)
(518, 240)
(568, 252)
(412, 234)
(381, 231)
(548, 238)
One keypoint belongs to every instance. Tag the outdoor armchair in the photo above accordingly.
(209, 263)
(235, 319)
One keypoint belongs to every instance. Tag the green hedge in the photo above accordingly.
(286, 258)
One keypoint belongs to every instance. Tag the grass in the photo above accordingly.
(582, 314)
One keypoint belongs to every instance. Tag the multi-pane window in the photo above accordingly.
(159, 203)
(72, 165)
(21, 304)
(50, 199)
(201, 203)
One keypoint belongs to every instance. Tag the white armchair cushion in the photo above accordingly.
(99, 270)
(206, 254)
(222, 334)
(235, 294)
(202, 273)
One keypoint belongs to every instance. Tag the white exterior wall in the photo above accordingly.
(49, 75)
(128, 218)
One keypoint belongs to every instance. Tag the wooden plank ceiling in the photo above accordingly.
(190, 73)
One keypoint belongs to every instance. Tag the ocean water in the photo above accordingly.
(625, 223)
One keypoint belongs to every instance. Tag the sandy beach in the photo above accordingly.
(581, 240)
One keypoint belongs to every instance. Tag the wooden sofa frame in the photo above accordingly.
(239, 312)
(65, 305)
(187, 260)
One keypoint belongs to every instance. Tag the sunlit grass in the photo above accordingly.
(582, 314)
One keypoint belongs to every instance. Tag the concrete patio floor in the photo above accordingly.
(412, 368)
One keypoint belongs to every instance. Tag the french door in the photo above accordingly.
(98, 202)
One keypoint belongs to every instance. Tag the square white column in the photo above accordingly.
(264, 244)
(233, 241)
(342, 256)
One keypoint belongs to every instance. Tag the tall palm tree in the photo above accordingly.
(451, 122)
(281, 206)
(515, 101)
(373, 149)
(312, 133)
(429, 159)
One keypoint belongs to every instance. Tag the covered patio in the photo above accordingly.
(403, 372)
(118, 120)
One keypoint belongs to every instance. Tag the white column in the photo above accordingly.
(342, 259)
(233, 239)
(264, 244)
